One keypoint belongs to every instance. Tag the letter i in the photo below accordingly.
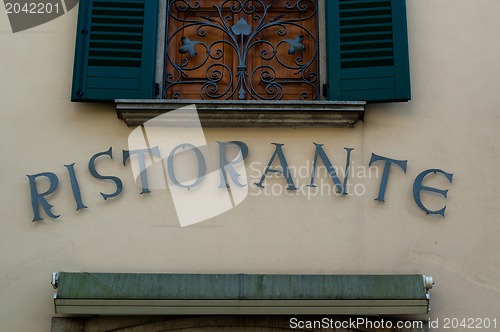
(75, 187)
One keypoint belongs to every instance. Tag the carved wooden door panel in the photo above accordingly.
(241, 49)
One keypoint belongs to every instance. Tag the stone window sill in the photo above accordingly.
(241, 114)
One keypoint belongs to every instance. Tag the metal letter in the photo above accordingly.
(117, 181)
(75, 187)
(36, 197)
(155, 151)
(418, 187)
(342, 189)
(286, 172)
(202, 167)
(225, 165)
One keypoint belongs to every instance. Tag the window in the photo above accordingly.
(367, 50)
(248, 50)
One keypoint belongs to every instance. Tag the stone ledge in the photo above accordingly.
(257, 114)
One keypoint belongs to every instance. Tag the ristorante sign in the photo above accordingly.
(170, 152)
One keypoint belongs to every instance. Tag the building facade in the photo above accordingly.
(77, 156)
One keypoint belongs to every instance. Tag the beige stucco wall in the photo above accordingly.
(451, 123)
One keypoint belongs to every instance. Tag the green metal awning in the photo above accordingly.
(211, 294)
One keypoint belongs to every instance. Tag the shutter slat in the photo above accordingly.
(122, 11)
(133, 44)
(96, 19)
(365, 26)
(118, 14)
(106, 83)
(372, 94)
(114, 72)
(116, 59)
(372, 58)
(361, 2)
(119, 2)
(367, 63)
(103, 94)
(367, 50)
(372, 72)
(117, 51)
(117, 25)
(367, 17)
(364, 12)
(368, 83)
(116, 33)
(369, 34)
(366, 44)
(117, 17)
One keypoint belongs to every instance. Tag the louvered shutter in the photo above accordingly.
(115, 50)
(367, 45)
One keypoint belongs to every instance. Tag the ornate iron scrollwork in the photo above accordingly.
(281, 38)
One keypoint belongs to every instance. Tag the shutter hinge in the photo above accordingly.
(156, 87)
(325, 89)
(84, 31)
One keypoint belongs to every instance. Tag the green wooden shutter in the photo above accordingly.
(115, 50)
(367, 45)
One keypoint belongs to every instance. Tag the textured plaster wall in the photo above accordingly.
(451, 123)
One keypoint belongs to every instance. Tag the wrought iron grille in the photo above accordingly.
(241, 49)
